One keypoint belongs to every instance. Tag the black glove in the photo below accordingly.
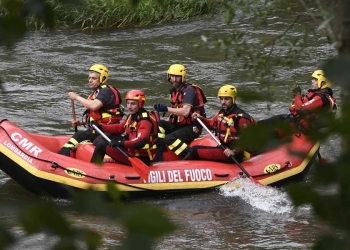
(160, 107)
(296, 90)
(116, 143)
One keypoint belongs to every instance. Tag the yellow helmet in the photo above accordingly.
(320, 76)
(102, 70)
(228, 91)
(177, 70)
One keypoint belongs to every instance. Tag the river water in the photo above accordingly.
(39, 71)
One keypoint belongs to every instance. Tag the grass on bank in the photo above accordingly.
(94, 14)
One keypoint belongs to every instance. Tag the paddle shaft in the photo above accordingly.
(109, 140)
(140, 167)
(74, 115)
(219, 143)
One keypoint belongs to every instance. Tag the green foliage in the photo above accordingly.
(333, 208)
(120, 13)
(143, 223)
(47, 218)
(17, 15)
(6, 238)
(12, 28)
(261, 59)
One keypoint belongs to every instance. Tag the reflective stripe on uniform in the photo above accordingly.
(175, 144)
(180, 149)
(73, 141)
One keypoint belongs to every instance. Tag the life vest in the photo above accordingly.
(109, 113)
(177, 99)
(329, 102)
(328, 105)
(131, 130)
(227, 124)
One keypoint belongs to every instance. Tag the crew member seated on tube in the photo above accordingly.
(139, 132)
(228, 124)
(306, 110)
(186, 99)
(103, 106)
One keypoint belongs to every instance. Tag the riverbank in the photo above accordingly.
(97, 14)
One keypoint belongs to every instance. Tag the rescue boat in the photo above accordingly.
(31, 160)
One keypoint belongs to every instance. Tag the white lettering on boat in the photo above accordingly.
(156, 177)
(198, 174)
(186, 175)
(26, 144)
(174, 176)
(17, 151)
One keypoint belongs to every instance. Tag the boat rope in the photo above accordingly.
(55, 165)
(287, 164)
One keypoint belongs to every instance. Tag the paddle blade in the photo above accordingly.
(140, 167)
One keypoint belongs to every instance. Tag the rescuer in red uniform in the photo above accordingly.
(306, 110)
(228, 124)
(139, 132)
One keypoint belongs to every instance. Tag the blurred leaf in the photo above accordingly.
(71, 2)
(42, 10)
(93, 240)
(12, 29)
(147, 220)
(6, 238)
(45, 217)
(327, 242)
(86, 204)
(301, 194)
(337, 69)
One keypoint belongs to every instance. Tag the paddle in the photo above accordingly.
(140, 167)
(74, 115)
(219, 144)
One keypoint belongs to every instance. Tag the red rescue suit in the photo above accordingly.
(141, 133)
(304, 108)
(227, 126)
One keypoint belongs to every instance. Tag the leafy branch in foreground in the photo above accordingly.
(262, 55)
(329, 190)
(142, 223)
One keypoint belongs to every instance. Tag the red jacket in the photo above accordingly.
(320, 99)
(228, 124)
(142, 133)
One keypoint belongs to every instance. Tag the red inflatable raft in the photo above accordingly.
(32, 161)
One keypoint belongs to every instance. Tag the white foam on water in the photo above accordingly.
(3, 179)
(268, 199)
